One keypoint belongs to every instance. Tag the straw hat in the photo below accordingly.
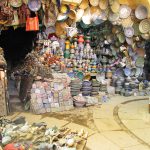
(115, 6)
(144, 26)
(84, 4)
(94, 2)
(79, 14)
(95, 9)
(113, 16)
(15, 3)
(141, 12)
(125, 11)
(103, 4)
(129, 32)
(127, 22)
(86, 18)
(72, 14)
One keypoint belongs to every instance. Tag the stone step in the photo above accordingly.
(16, 106)
(14, 99)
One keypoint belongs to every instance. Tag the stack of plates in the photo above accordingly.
(86, 88)
(95, 88)
(103, 87)
(75, 87)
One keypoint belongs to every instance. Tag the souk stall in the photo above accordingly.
(85, 51)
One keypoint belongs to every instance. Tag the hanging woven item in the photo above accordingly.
(32, 24)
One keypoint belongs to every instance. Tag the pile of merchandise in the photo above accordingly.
(52, 95)
(98, 45)
(21, 135)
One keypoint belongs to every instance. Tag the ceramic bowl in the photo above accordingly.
(88, 89)
(86, 83)
(79, 104)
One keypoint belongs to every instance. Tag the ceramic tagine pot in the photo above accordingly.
(72, 51)
(67, 50)
(81, 42)
(75, 41)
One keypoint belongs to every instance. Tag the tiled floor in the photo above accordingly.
(130, 132)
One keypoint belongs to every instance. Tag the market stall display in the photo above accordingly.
(52, 95)
(19, 134)
(98, 46)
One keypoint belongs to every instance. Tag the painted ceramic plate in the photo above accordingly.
(34, 5)
(125, 11)
(129, 32)
(119, 72)
(127, 71)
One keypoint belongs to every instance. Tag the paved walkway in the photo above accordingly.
(123, 123)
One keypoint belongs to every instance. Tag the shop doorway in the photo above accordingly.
(16, 43)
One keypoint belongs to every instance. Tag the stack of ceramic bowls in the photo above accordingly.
(119, 85)
(86, 88)
(103, 87)
(75, 87)
(95, 88)
(126, 85)
(128, 90)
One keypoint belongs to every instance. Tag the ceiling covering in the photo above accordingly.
(134, 3)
